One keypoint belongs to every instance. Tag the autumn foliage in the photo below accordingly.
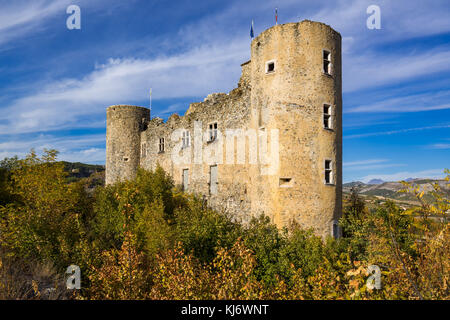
(145, 239)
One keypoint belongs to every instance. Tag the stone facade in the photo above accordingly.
(272, 148)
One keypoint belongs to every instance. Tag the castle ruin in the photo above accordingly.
(271, 146)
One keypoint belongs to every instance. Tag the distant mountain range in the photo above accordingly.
(377, 188)
(375, 181)
(379, 181)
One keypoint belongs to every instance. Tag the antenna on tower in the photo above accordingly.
(276, 16)
(150, 98)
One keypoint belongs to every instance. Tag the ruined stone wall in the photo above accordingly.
(229, 111)
(286, 105)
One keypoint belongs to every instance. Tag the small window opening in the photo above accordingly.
(144, 124)
(328, 172)
(213, 131)
(126, 159)
(161, 145)
(327, 62)
(186, 139)
(285, 182)
(270, 66)
(327, 123)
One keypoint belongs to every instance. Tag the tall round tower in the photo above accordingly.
(124, 125)
(297, 89)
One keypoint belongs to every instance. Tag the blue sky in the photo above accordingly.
(55, 83)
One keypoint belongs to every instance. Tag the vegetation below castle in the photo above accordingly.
(145, 239)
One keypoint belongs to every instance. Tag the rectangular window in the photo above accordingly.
(328, 172)
(285, 182)
(213, 180)
(186, 139)
(327, 62)
(161, 145)
(327, 120)
(185, 179)
(270, 66)
(213, 131)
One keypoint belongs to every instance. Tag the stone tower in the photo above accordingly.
(288, 105)
(295, 85)
(124, 125)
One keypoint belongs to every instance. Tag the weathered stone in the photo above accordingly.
(290, 99)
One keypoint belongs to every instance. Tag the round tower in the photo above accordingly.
(297, 89)
(124, 125)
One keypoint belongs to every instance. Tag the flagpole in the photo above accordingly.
(150, 99)
(252, 34)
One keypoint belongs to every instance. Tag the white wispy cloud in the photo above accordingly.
(176, 107)
(412, 103)
(125, 81)
(73, 148)
(19, 18)
(440, 146)
(400, 20)
(378, 69)
(207, 60)
(382, 133)
(369, 164)
(90, 155)
(363, 162)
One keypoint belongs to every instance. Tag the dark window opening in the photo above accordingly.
(285, 182)
(213, 131)
(327, 116)
(186, 139)
(328, 172)
(326, 62)
(271, 67)
(161, 145)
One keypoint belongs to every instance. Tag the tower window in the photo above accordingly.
(186, 139)
(270, 66)
(161, 145)
(327, 120)
(213, 131)
(328, 172)
(327, 62)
